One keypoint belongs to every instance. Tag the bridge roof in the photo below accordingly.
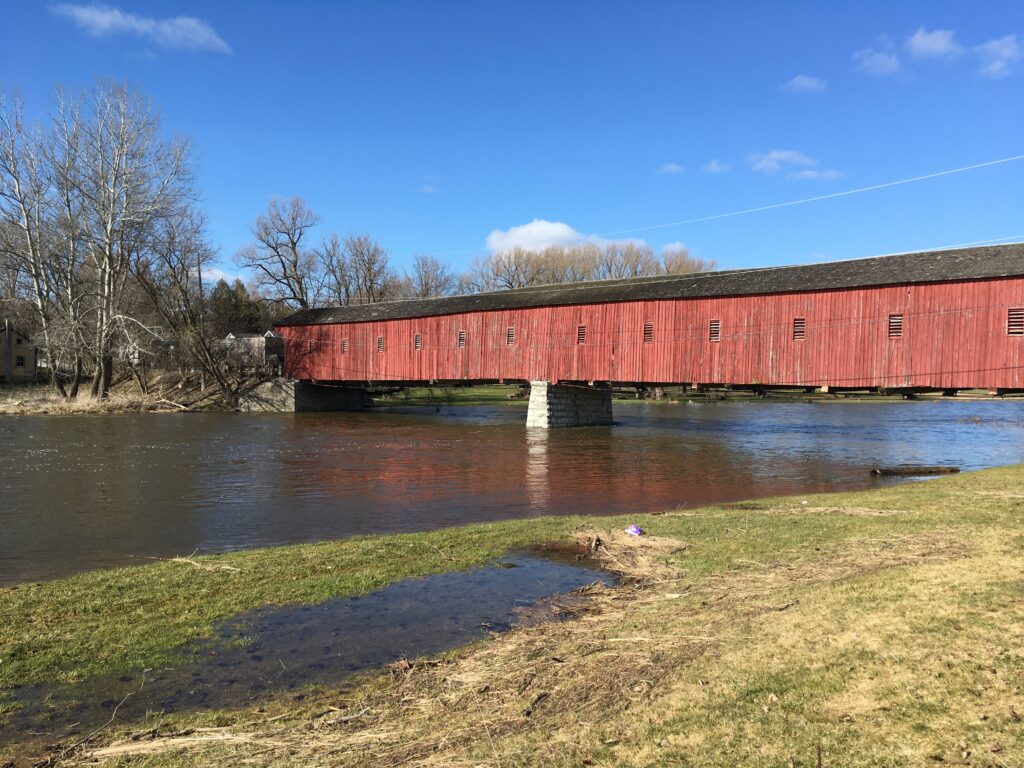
(901, 269)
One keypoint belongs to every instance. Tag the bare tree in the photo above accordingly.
(339, 281)
(170, 271)
(626, 260)
(25, 198)
(429, 277)
(373, 278)
(68, 257)
(285, 268)
(677, 260)
(129, 178)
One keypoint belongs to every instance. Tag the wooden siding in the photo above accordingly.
(954, 336)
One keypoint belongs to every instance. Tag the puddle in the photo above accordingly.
(275, 650)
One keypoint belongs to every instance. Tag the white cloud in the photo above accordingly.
(876, 63)
(172, 32)
(212, 274)
(805, 84)
(935, 44)
(715, 166)
(671, 169)
(428, 189)
(997, 56)
(677, 247)
(537, 235)
(800, 166)
(541, 233)
(772, 162)
(815, 174)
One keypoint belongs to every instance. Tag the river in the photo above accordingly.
(86, 492)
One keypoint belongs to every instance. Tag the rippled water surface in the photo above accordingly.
(83, 492)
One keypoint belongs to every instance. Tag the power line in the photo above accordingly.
(774, 206)
(817, 198)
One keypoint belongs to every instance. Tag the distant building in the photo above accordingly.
(258, 350)
(17, 354)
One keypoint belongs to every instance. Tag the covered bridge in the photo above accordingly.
(940, 320)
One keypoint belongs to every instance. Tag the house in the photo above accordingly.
(256, 349)
(17, 354)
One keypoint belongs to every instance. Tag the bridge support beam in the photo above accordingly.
(287, 396)
(568, 405)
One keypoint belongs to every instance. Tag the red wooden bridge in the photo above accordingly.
(942, 320)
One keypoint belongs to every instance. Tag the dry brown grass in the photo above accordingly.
(662, 669)
(166, 393)
(45, 401)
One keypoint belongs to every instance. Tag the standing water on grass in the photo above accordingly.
(85, 492)
(285, 649)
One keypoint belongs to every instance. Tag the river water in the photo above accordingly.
(85, 492)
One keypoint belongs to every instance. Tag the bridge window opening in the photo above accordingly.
(715, 330)
(510, 336)
(417, 342)
(344, 345)
(312, 346)
(581, 334)
(799, 328)
(380, 343)
(462, 339)
(648, 333)
(1015, 322)
(895, 326)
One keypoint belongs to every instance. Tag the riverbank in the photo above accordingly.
(165, 394)
(163, 397)
(883, 627)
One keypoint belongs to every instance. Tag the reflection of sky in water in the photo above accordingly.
(84, 492)
(284, 648)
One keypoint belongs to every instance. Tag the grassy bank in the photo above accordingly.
(883, 627)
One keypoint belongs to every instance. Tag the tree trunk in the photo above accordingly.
(76, 379)
(97, 374)
(55, 376)
(139, 377)
(107, 376)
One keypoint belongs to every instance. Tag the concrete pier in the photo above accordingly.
(288, 396)
(568, 405)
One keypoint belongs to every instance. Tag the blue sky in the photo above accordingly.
(447, 128)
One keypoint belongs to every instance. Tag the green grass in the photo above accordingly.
(478, 394)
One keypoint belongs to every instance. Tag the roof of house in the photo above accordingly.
(10, 326)
(240, 335)
(902, 269)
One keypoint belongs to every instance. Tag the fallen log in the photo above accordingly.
(911, 471)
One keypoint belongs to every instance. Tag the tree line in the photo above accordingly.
(105, 256)
(292, 271)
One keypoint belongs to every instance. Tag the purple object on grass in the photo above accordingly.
(635, 530)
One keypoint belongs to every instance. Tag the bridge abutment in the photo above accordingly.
(288, 396)
(568, 405)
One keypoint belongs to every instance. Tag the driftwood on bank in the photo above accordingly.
(912, 471)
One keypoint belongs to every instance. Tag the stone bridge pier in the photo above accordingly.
(568, 405)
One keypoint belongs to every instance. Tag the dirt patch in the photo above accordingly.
(853, 511)
(553, 680)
